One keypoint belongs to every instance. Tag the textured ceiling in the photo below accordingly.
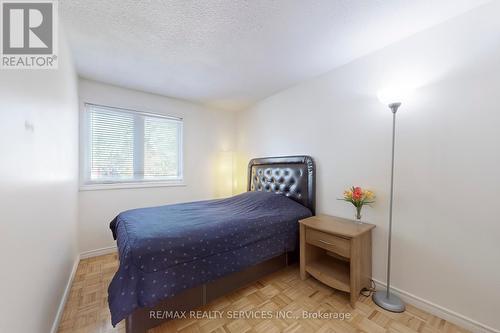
(231, 53)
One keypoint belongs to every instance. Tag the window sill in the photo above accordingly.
(116, 186)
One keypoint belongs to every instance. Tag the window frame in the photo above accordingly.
(86, 184)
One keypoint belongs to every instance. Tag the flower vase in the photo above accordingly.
(357, 216)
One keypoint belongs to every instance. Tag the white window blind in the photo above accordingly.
(128, 146)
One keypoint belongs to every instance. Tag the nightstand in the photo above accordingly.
(337, 252)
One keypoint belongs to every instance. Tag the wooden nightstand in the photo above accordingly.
(337, 252)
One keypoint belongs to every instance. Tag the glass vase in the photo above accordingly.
(357, 215)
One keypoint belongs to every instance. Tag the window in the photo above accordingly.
(124, 146)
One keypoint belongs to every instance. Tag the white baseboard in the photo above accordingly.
(98, 252)
(65, 296)
(437, 310)
(64, 299)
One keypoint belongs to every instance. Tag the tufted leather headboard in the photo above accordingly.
(293, 176)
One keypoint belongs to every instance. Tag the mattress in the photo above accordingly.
(165, 250)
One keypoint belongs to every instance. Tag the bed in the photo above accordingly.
(179, 257)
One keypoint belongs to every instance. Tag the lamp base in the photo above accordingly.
(392, 303)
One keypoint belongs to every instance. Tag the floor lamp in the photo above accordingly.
(384, 298)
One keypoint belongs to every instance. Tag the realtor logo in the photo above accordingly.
(29, 34)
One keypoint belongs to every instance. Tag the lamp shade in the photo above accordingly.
(394, 94)
(225, 174)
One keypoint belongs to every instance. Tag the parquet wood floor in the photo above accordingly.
(87, 310)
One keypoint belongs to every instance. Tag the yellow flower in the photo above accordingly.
(348, 194)
(369, 194)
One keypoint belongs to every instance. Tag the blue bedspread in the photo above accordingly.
(165, 250)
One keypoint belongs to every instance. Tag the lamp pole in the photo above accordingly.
(386, 300)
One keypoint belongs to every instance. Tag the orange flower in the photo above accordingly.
(358, 196)
(357, 193)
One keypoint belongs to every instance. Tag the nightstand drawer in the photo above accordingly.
(329, 242)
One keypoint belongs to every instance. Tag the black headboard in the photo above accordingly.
(293, 176)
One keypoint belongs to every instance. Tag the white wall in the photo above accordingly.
(38, 193)
(446, 236)
(207, 133)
